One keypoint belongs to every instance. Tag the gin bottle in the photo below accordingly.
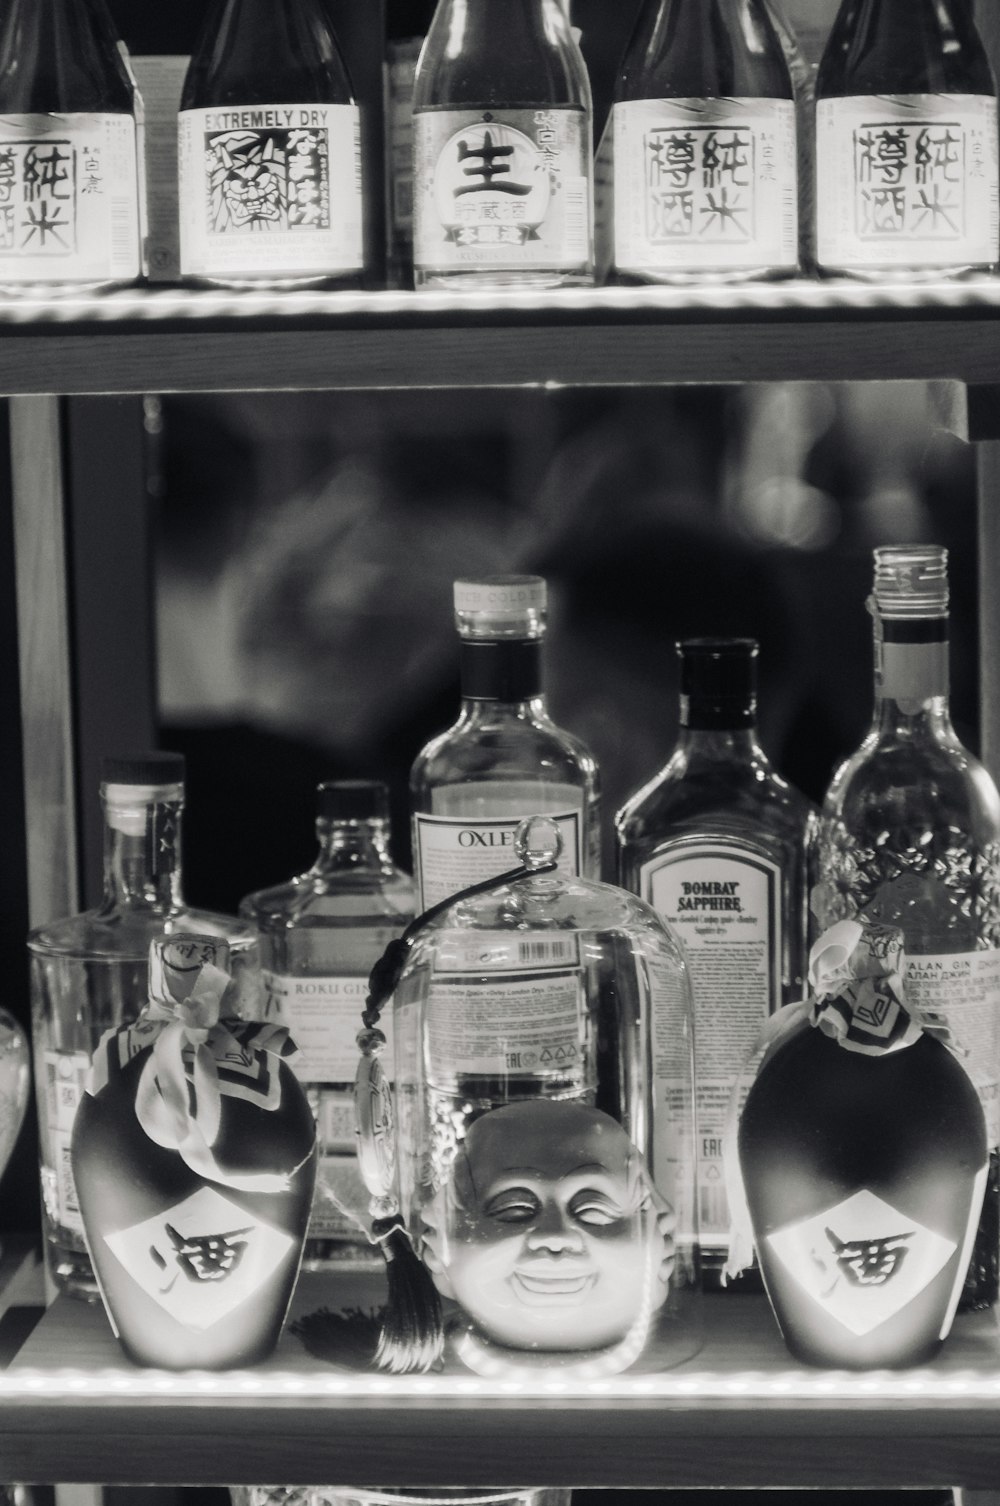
(717, 844)
(910, 837)
(704, 146)
(503, 172)
(320, 935)
(504, 758)
(90, 973)
(69, 181)
(906, 142)
(269, 150)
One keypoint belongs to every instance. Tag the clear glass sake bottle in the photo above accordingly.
(717, 842)
(504, 758)
(320, 936)
(704, 146)
(906, 142)
(503, 158)
(269, 150)
(90, 974)
(69, 159)
(910, 837)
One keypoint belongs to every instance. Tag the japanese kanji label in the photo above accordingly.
(702, 184)
(69, 199)
(907, 180)
(270, 189)
(505, 191)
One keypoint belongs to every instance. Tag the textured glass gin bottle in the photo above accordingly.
(320, 935)
(717, 843)
(704, 146)
(90, 973)
(504, 758)
(269, 150)
(69, 200)
(906, 142)
(503, 171)
(910, 837)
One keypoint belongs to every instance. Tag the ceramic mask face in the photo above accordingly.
(548, 1235)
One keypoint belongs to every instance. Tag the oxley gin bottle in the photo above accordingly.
(320, 935)
(503, 174)
(703, 148)
(910, 837)
(69, 181)
(906, 142)
(717, 844)
(504, 759)
(269, 150)
(90, 973)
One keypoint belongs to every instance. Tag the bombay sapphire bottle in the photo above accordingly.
(906, 142)
(909, 836)
(320, 935)
(503, 174)
(90, 973)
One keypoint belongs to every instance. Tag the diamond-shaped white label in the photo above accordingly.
(200, 1259)
(862, 1260)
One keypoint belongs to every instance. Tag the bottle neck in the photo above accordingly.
(60, 57)
(352, 845)
(502, 672)
(911, 675)
(142, 857)
(723, 744)
(500, 53)
(708, 49)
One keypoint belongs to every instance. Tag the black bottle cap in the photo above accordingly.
(143, 768)
(352, 800)
(718, 682)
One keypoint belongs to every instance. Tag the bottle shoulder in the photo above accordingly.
(536, 751)
(353, 896)
(691, 796)
(61, 57)
(126, 933)
(922, 47)
(500, 57)
(252, 52)
(934, 775)
(723, 49)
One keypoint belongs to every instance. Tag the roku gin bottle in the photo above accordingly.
(504, 758)
(906, 142)
(910, 837)
(90, 973)
(321, 934)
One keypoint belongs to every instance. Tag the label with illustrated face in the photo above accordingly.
(69, 198)
(200, 1259)
(863, 1261)
(270, 190)
(65, 1081)
(453, 852)
(324, 1017)
(535, 1025)
(502, 191)
(907, 180)
(704, 183)
(963, 988)
(724, 904)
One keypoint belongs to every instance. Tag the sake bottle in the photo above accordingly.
(407, 24)
(269, 150)
(906, 142)
(69, 183)
(503, 174)
(704, 146)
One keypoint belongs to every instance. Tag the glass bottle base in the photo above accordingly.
(64, 289)
(631, 277)
(483, 281)
(68, 1266)
(891, 276)
(319, 282)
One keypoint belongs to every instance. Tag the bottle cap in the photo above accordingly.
(719, 678)
(143, 769)
(911, 580)
(352, 800)
(501, 606)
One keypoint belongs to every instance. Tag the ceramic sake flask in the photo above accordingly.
(194, 1157)
(862, 1146)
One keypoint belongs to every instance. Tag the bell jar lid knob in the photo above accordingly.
(538, 842)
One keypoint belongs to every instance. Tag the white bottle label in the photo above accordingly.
(705, 183)
(907, 180)
(502, 191)
(270, 190)
(454, 851)
(964, 988)
(724, 904)
(324, 1017)
(66, 1075)
(69, 199)
(532, 1025)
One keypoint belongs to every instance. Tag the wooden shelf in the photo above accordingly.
(174, 340)
(739, 1414)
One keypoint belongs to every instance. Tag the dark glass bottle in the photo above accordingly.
(503, 173)
(69, 194)
(906, 142)
(269, 150)
(717, 843)
(406, 24)
(704, 146)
